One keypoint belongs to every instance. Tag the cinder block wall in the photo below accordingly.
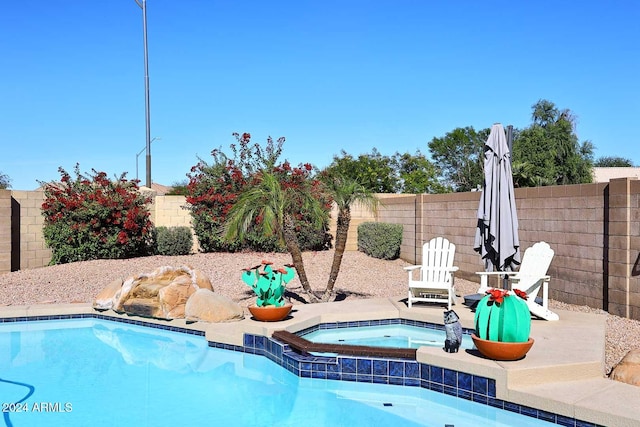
(634, 253)
(622, 248)
(359, 214)
(5, 231)
(571, 219)
(594, 230)
(167, 211)
(30, 247)
(401, 210)
(455, 218)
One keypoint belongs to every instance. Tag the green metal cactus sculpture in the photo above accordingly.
(268, 284)
(503, 316)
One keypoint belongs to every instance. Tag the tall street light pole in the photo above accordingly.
(143, 6)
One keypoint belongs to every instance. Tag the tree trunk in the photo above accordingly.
(291, 240)
(342, 231)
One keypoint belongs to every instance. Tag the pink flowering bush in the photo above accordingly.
(94, 217)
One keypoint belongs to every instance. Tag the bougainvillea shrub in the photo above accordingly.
(309, 238)
(93, 217)
(214, 187)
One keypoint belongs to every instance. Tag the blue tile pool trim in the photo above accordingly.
(360, 369)
(102, 317)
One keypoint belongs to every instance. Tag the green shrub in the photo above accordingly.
(380, 240)
(94, 217)
(174, 240)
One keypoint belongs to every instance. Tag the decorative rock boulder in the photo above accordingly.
(628, 370)
(161, 294)
(104, 300)
(201, 279)
(174, 296)
(207, 306)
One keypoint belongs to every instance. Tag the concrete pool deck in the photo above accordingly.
(562, 373)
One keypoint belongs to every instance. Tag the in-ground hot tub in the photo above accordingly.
(382, 338)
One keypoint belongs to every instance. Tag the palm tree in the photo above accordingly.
(344, 192)
(274, 205)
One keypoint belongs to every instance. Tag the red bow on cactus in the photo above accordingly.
(521, 294)
(497, 295)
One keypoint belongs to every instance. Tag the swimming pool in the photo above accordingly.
(98, 372)
(395, 336)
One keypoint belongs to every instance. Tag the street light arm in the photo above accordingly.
(139, 4)
(142, 151)
(145, 147)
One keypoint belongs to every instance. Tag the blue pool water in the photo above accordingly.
(92, 372)
(398, 336)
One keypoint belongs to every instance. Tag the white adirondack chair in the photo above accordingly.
(531, 276)
(435, 276)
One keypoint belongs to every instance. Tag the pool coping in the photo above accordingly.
(562, 374)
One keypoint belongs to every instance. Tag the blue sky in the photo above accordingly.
(327, 75)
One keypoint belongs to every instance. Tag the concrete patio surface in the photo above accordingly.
(562, 373)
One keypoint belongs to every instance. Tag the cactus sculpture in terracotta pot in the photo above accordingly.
(269, 286)
(502, 325)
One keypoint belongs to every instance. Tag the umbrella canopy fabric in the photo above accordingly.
(497, 233)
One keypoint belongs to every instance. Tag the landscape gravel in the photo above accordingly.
(360, 276)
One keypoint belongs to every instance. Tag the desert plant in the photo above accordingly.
(271, 206)
(94, 217)
(344, 192)
(380, 239)
(268, 284)
(174, 240)
(503, 316)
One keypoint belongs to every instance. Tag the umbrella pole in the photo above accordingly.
(510, 142)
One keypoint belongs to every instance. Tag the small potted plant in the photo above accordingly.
(502, 325)
(269, 286)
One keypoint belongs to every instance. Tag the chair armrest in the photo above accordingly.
(540, 278)
(484, 278)
(412, 267)
(496, 273)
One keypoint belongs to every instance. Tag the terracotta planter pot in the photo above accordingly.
(502, 350)
(270, 313)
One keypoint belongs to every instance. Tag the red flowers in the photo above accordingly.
(122, 238)
(521, 294)
(498, 295)
(108, 218)
(214, 189)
